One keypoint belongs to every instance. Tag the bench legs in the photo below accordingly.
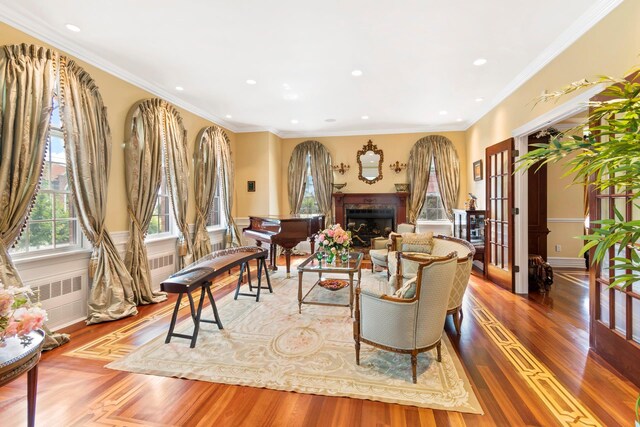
(262, 265)
(196, 315)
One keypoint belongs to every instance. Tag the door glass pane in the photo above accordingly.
(498, 255)
(493, 254)
(635, 322)
(604, 304)
(499, 163)
(621, 312)
(498, 187)
(505, 163)
(499, 233)
(604, 208)
(620, 205)
(505, 210)
(506, 256)
(498, 214)
(505, 190)
(604, 268)
(492, 159)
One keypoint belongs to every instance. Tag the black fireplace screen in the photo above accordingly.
(368, 223)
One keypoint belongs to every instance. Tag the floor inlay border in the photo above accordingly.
(558, 400)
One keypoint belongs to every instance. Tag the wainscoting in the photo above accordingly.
(62, 283)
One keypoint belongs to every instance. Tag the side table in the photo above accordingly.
(20, 355)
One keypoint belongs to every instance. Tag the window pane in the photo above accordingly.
(43, 207)
(65, 233)
(41, 235)
(154, 225)
(64, 206)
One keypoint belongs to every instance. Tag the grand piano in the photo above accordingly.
(285, 231)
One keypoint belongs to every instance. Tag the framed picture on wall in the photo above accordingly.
(251, 186)
(477, 170)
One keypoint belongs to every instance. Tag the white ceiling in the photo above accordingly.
(416, 56)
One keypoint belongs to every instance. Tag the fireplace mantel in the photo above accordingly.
(398, 200)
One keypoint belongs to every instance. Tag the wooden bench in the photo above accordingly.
(200, 274)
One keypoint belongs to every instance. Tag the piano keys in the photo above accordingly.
(285, 231)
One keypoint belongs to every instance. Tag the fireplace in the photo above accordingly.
(369, 215)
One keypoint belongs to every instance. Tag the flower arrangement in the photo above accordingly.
(334, 240)
(18, 315)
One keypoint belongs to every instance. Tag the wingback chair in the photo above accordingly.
(411, 324)
(442, 245)
(380, 247)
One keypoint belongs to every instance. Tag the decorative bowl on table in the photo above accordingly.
(339, 187)
(333, 284)
(402, 188)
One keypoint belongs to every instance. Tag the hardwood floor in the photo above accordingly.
(527, 358)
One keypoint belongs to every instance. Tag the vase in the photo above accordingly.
(344, 256)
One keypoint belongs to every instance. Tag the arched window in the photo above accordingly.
(433, 209)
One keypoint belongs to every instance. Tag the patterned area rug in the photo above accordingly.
(268, 344)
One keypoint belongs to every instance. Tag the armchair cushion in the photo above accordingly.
(409, 268)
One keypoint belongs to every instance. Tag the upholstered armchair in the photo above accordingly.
(380, 247)
(412, 322)
(442, 245)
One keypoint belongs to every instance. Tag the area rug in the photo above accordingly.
(269, 344)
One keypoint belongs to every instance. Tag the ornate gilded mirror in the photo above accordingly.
(370, 160)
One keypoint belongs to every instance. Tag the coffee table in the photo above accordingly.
(320, 296)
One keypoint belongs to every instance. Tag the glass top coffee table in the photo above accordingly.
(319, 293)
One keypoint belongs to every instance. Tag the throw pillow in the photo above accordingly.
(408, 290)
(417, 242)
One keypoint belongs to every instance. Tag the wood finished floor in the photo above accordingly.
(553, 328)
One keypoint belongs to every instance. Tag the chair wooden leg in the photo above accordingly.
(414, 366)
(457, 321)
(438, 349)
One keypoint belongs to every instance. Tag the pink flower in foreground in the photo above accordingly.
(6, 300)
(330, 233)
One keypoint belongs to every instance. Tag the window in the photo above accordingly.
(309, 202)
(214, 212)
(52, 223)
(433, 210)
(161, 218)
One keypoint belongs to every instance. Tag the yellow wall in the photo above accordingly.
(275, 173)
(610, 47)
(118, 97)
(395, 147)
(565, 202)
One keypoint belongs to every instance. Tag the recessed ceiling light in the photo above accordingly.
(480, 61)
(229, 116)
(458, 120)
(356, 73)
(329, 120)
(479, 99)
(443, 112)
(294, 121)
(73, 28)
(180, 88)
(251, 82)
(365, 117)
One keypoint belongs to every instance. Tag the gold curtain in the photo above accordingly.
(87, 140)
(418, 169)
(441, 151)
(322, 174)
(143, 163)
(205, 183)
(27, 80)
(297, 177)
(177, 173)
(445, 158)
(223, 154)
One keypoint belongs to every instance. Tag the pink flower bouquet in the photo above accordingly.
(334, 240)
(18, 315)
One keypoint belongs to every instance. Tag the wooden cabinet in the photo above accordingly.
(469, 225)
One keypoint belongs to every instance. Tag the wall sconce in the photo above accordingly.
(341, 169)
(397, 167)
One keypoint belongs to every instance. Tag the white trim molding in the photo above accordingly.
(567, 262)
(566, 220)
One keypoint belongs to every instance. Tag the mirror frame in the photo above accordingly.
(370, 146)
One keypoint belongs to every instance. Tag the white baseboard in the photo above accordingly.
(562, 262)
